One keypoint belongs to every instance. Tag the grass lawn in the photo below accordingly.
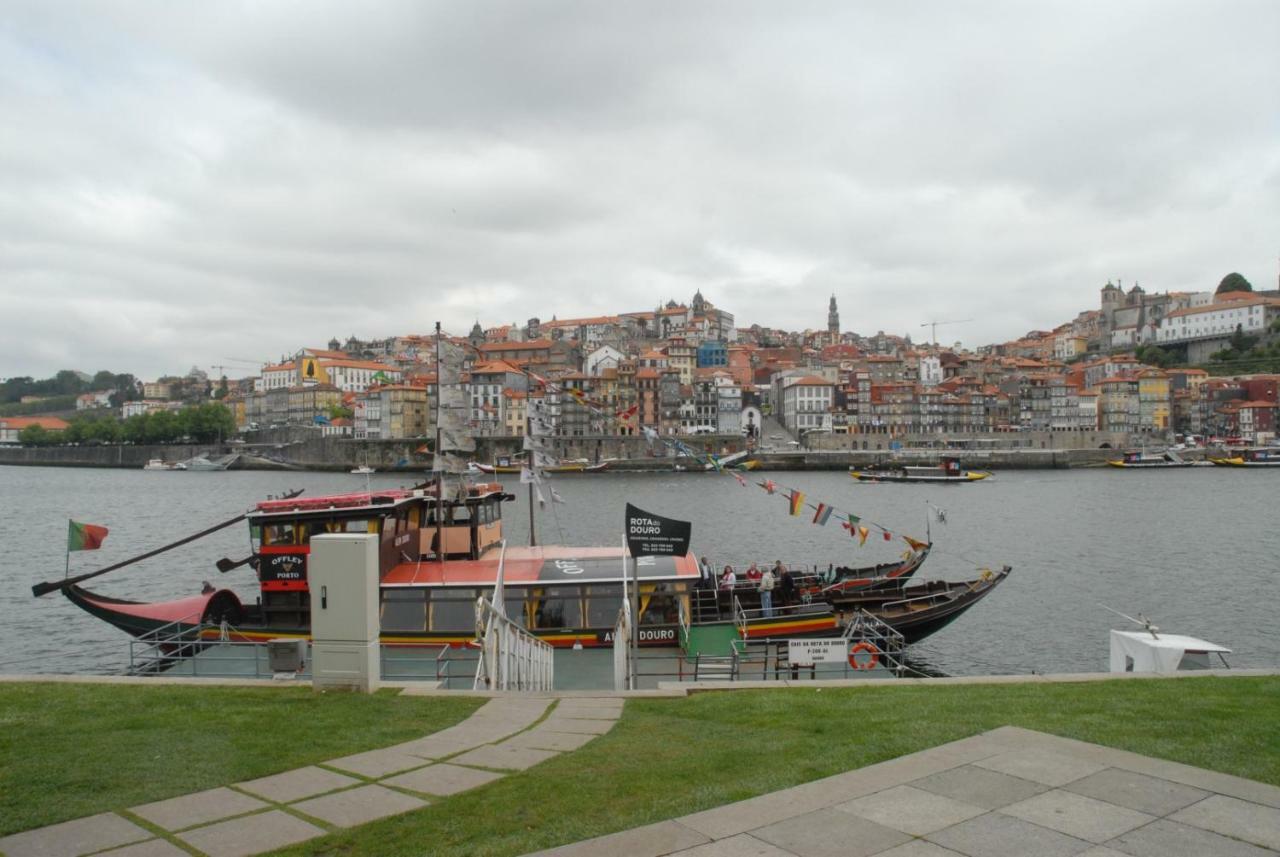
(70, 750)
(671, 757)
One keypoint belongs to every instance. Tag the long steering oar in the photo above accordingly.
(53, 585)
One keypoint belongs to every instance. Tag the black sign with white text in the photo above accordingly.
(653, 535)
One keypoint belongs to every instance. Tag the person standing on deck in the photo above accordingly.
(788, 583)
(728, 580)
(767, 582)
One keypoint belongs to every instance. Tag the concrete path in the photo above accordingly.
(1006, 793)
(506, 734)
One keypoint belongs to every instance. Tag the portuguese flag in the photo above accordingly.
(84, 537)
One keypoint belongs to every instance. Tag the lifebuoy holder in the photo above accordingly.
(868, 647)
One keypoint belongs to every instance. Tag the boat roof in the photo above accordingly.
(552, 564)
(1171, 641)
(357, 501)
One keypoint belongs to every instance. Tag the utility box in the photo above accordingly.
(286, 656)
(342, 577)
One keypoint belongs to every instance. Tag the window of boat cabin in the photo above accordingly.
(351, 525)
(404, 610)
(659, 604)
(453, 609)
(558, 607)
(603, 604)
(281, 533)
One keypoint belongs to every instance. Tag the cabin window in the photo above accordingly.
(458, 515)
(279, 534)
(453, 610)
(515, 604)
(559, 607)
(660, 607)
(404, 610)
(603, 604)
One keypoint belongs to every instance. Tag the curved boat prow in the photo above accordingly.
(139, 618)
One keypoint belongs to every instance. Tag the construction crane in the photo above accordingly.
(934, 325)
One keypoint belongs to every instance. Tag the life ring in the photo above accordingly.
(869, 648)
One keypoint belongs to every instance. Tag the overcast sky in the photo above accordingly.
(204, 183)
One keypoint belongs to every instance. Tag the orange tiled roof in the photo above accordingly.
(48, 423)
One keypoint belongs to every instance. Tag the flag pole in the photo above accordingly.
(66, 571)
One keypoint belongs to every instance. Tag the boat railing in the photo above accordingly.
(511, 658)
(623, 668)
(160, 648)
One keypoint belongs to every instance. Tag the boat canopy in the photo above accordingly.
(543, 566)
(1138, 651)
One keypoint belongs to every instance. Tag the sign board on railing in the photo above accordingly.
(806, 653)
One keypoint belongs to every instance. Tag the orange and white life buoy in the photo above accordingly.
(859, 648)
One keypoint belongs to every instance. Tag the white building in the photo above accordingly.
(930, 370)
(1218, 320)
(806, 403)
(356, 376)
(604, 357)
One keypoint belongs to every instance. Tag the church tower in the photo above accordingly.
(833, 321)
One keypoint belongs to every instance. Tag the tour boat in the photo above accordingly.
(1136, 458)
(363, 470)
(946, 471)
(581, 465)
(1264, 457)
(161, 464)
(568, 596)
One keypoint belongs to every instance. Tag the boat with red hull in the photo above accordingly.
(437, 556)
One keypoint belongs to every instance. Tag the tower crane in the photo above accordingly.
(934, 326)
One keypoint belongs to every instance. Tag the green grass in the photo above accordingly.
(70, 750)
(666, 757)
(671, 757)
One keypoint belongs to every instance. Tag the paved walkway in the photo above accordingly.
(1006, 793)
(506, 734)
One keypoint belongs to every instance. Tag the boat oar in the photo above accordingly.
(52, 585)
(225, 564)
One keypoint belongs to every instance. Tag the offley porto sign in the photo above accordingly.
(653, 535)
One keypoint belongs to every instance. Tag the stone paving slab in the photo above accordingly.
(1235, 818)
(150, 848)
(1151, 795)
(911, 810)
(1079, 816)
(443, 779)
(652, 840)
(741, 845)
(978, 786)
(72, 838)
(251, 834)
(1166, 838)
(545, 739)
(997, 835)
(1041, 766)
(377, 763)
(432, 747)
(921, 848)
(830, 833)
(504, 758)
(296, 785)
(569, 724)
(358, 806)
(199, 808)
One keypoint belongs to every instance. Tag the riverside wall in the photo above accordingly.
(302, 449)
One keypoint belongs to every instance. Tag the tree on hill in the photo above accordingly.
(1233, 282)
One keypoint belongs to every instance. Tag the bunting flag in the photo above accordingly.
(863, 532)
(888, 536)
(423, 450)
(769, 486)
(820, 517)
(84, 537)
(916, 544)
(527, 476)
(628, 413)
(797, 501)
(741, 479)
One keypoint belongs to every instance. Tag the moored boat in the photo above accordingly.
(161, 464)
(947, 471)
(511, 466)
(1139, 459)
(1267, 456)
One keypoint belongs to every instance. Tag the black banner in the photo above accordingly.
(653, 535)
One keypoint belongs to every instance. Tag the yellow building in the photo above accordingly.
(514, 412)
(1154, 400)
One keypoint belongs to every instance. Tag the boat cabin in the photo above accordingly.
(1144, 652)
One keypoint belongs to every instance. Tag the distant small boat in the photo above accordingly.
(161, 464)
(1264, 457)
(580, 466)
(1141, 459)
(363, 470)
(202, 464)
(946, 471)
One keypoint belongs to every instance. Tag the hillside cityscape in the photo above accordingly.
(1139, 364)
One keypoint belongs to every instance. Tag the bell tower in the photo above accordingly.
(833, 321)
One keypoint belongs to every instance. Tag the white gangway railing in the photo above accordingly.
(511, 658)
(623, 666)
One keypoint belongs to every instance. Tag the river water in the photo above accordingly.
(1197, 549)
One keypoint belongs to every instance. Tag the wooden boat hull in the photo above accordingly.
(559, 468)
(892, 476)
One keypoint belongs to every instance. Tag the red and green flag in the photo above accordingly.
(84, 537)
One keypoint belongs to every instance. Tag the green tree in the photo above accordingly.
(35, 435)
(1234, 282)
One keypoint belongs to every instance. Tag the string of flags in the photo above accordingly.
(857, 527)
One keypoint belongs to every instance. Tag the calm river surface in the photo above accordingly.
(1196, 549)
